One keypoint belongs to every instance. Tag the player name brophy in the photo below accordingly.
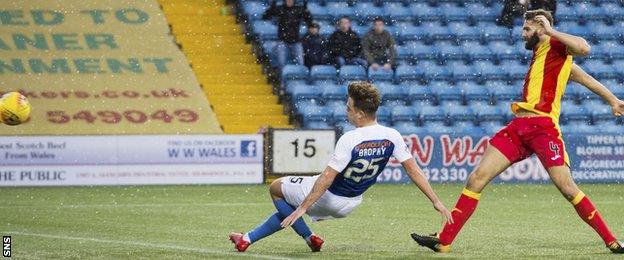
(373, 148)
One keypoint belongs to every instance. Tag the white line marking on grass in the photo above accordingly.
(225, 204)
(152, 245)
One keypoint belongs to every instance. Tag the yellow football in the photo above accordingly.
(14, 108)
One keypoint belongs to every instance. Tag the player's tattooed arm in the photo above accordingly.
(576, 45)
(416, 175)
(580, 76)
(320, 186)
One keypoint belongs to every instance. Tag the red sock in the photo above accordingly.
(591, 216)
(466, 205)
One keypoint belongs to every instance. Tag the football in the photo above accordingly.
(14, 108)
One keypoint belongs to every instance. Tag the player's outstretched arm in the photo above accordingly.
(576, 45)
(320, 186)
(416, 175)
(579, 75)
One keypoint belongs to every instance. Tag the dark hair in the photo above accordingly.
(531, 14)
(343, 17)
(315, 25)
(365, 96)
(378, 19)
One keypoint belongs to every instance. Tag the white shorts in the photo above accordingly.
(329, 205)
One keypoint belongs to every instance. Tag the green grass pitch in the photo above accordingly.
(194, 221)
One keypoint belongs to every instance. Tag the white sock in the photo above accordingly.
(246, 237)
(307, 239)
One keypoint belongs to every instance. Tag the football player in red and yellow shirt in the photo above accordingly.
(535, 130)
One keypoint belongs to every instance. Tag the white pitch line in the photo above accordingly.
(152, 245)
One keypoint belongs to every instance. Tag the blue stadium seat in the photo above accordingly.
(493, 32)
(305, 92)
(613, 11)
(476, 51)
(408, 32)
(611, 129)
(380, 75)
(430, 115)
(502, 92)
(408, 72)
(485, 114)
(340, 9)
(459, 114)
(290, 85)
(422, 12)
(612, 50)
(392, 92)
(315, 113)
(575, 29)
(404, 114)
(488, 71)
(319, 12)
(514, 70)
(345, 127)
(574, 114)
(602, 32)
(335, 93)
(571, 92)
(420, 51)
(462, 71)
(265, 30)
(366, 12)
(473, 92)
(578, 129)
(323, 72)
(618, 65)
(583, 94)
(290, 72)
(618, 90)
(463, 31)
(352, 72)
(407, 129)
(589, 12)
(254, 10)
(446, 94)
(601, 113)
(421, 93)
(503, 51)
(600, 70)
(480, 12)
(318, 125)
(436, 72)
(397, 12)
(383, 114)
(454, 13)
(435, 31)
(339, 114)
(566, 13)
(449, 51)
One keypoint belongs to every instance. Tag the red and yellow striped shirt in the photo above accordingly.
(546, 80)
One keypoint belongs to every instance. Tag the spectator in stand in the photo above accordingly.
(345, 45)
(515, 8)
(548, 5)
(289, 18)
(314, 47)
(512, 9)
(378, 47)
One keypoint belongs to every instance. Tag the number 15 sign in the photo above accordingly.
(300, 151)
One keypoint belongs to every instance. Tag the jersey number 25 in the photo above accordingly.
(369, 168)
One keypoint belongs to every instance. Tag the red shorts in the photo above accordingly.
(524, 136)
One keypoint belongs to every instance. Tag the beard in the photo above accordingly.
(531, 42)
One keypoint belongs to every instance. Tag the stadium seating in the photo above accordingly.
(457, 69)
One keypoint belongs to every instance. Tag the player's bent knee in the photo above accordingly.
(476, 181)
(275, 189)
